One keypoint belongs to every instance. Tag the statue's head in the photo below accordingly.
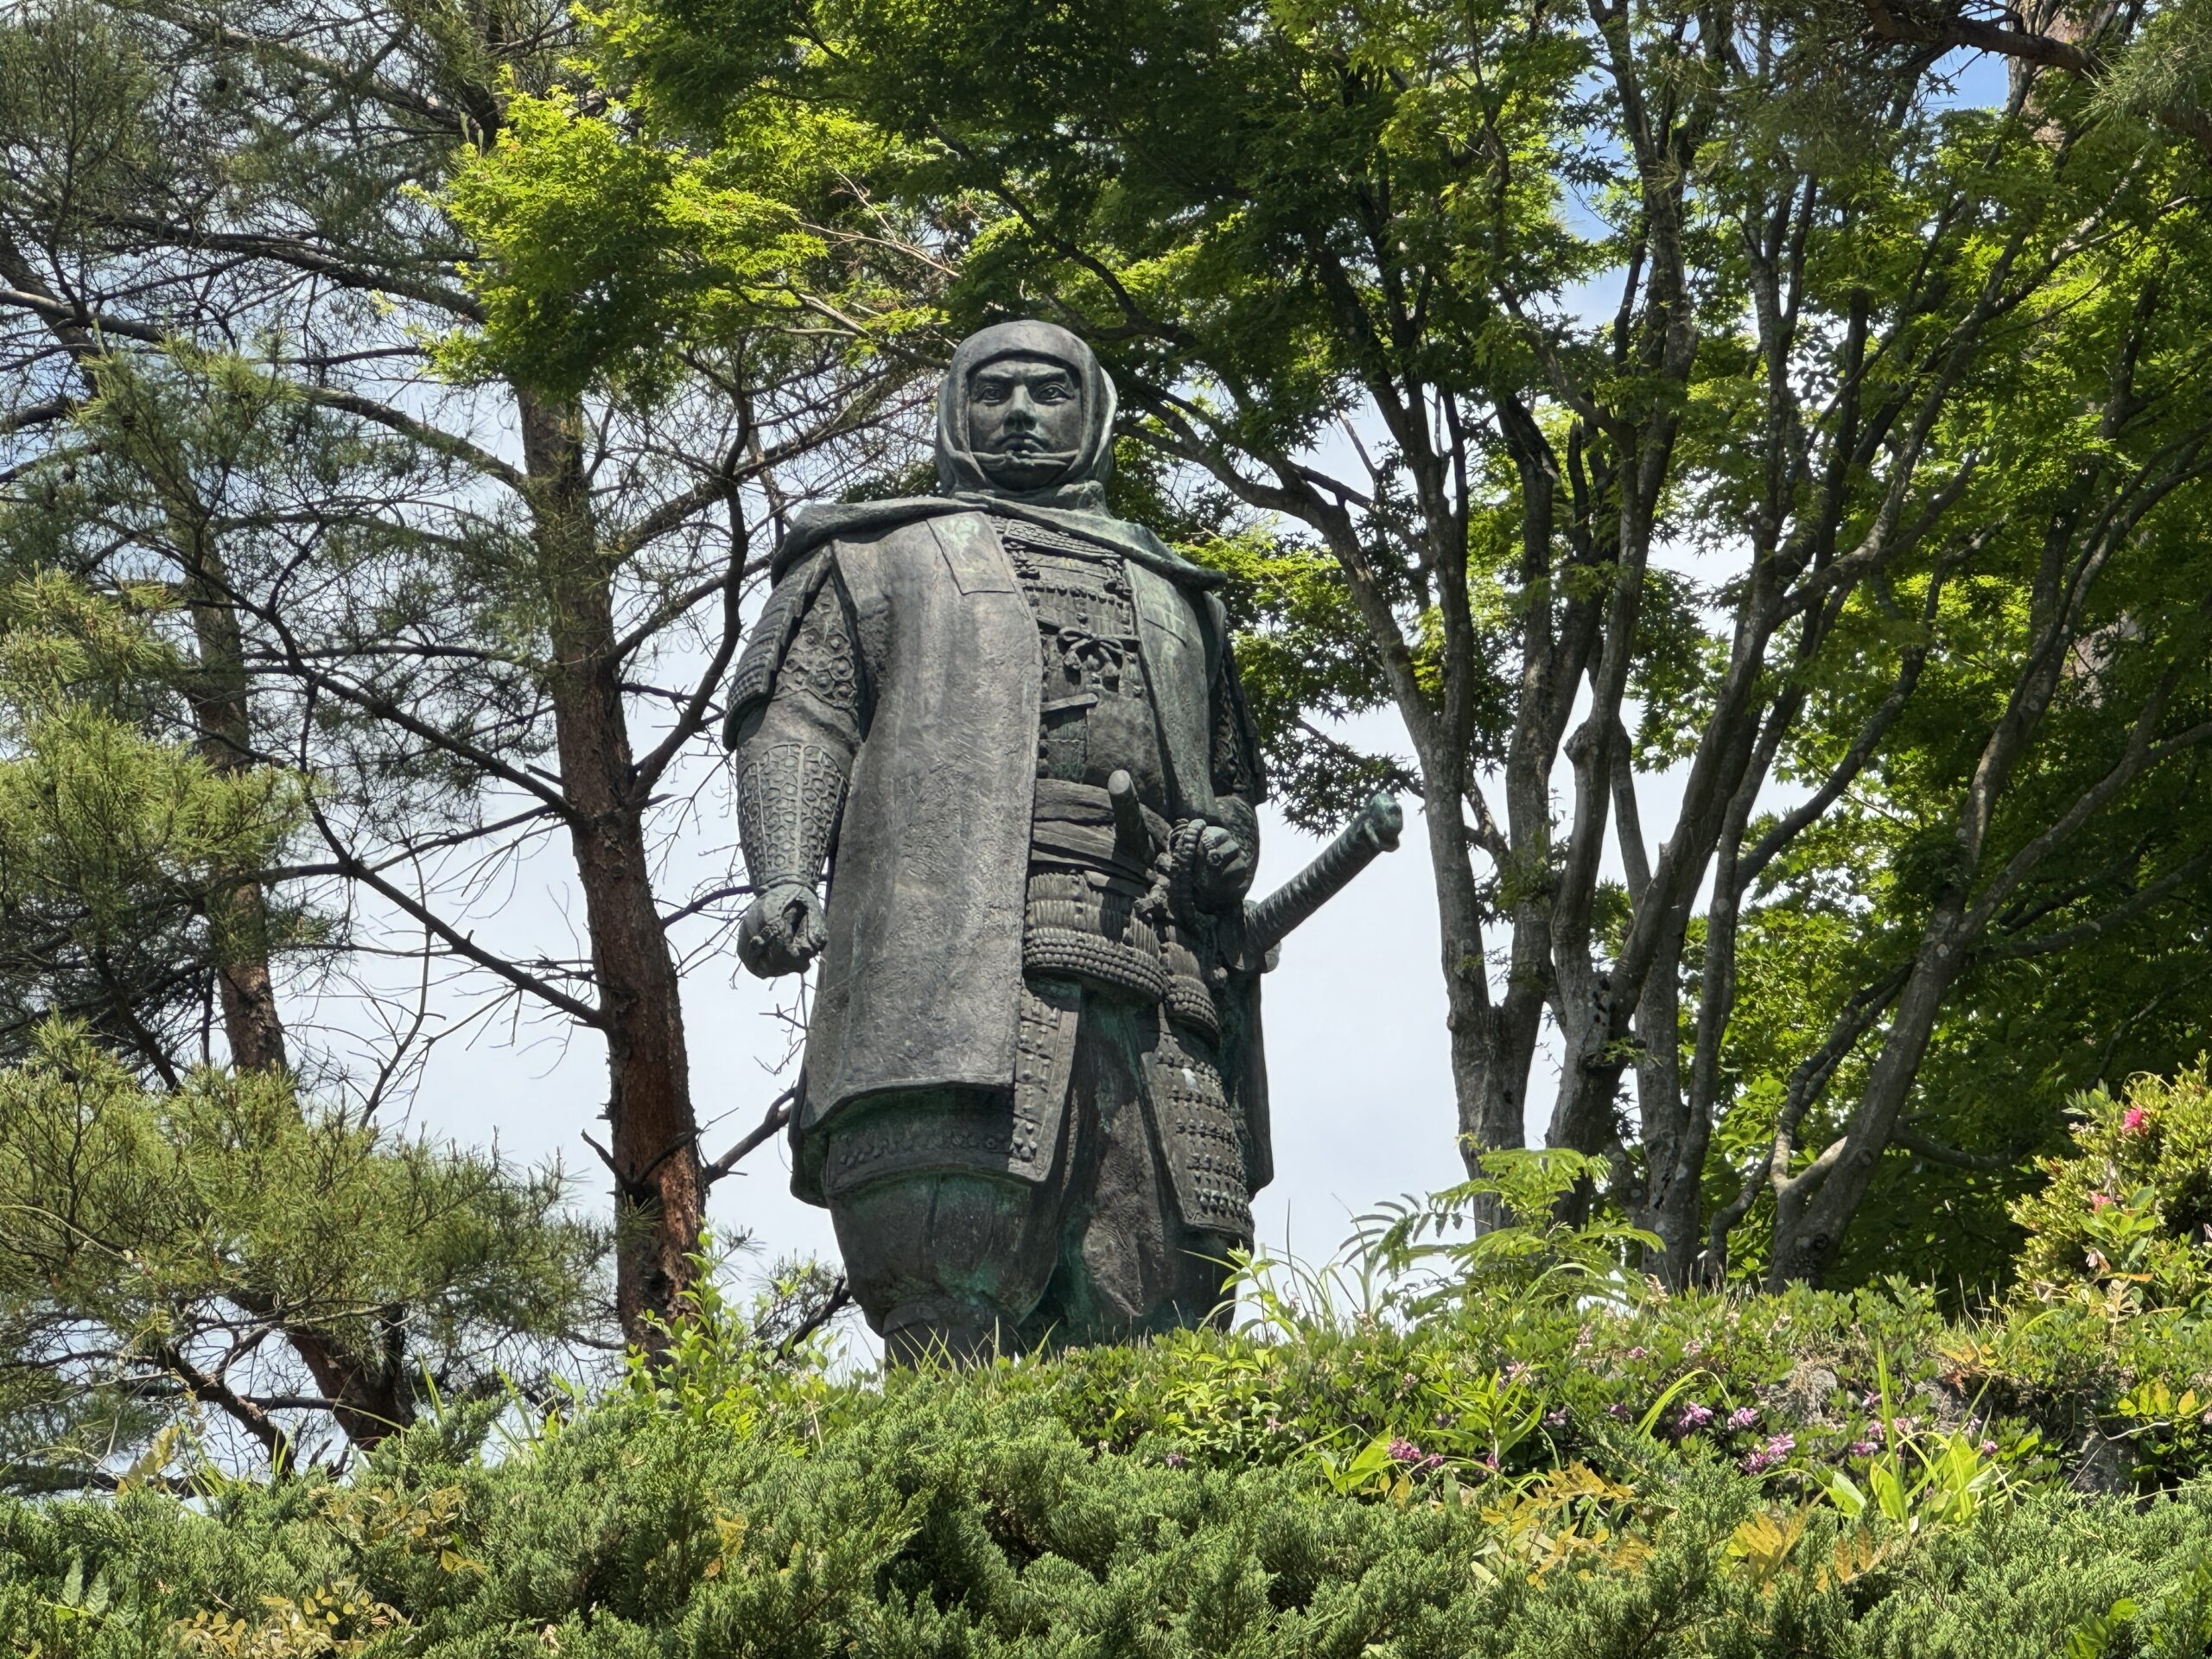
(1026, 410)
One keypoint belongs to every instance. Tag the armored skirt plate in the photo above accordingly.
(1021, 1133)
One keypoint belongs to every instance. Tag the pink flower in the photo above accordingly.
(1173, 1460)
(1776, 1451)
(2134, 1121)
(1989, 1448)
(1637, 1353)
(1863, 1448)
(1742, 1418)
(1693, 1417)
(1417, 1461)
(2100, 1201)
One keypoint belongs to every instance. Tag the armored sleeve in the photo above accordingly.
(794, 722)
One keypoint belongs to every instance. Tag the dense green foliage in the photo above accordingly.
(1331, 1493)
(1613, 391)
(190, 1254)
(116, 844)
(1552, 1461)
(401, 402)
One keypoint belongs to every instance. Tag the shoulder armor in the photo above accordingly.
(778, 625)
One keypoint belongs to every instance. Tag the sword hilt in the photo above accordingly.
(1267, 921)
(1132, 842)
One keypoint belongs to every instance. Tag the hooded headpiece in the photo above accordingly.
(1082, 486)
(1076, 502)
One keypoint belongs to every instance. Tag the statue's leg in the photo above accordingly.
(945, 1254)
(1129, 1264)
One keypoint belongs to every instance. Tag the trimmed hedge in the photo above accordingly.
(1518, 1451)
(726, 1511)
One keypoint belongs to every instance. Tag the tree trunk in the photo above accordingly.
(1807, 1233)
(1483, 1083)
(653, 1132)
(239, 913)
(1674, 1132)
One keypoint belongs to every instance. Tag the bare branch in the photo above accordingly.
(773, 1123)
(460, 944)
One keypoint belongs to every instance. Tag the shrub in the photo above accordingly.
(963, 1516)
(2131, 1211)
(1556, 1460)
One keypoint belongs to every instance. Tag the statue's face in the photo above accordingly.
(1024, 420)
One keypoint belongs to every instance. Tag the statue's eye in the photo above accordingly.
(991, 392)
(1054, 392)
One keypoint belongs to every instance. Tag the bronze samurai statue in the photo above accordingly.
(1009, 725)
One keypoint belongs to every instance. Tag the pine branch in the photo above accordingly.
(298, 256)
(2015, 40)
(362, 81)
(460, 944)
(837, 1301)
(243, 1412)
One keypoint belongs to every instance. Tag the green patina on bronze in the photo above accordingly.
(1008, 724)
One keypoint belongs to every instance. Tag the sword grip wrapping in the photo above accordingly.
(1374, 832)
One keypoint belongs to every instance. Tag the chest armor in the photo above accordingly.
(1095, 715)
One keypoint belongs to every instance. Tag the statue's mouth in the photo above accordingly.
(1028, 449)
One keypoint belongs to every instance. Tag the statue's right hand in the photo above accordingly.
(782, 930)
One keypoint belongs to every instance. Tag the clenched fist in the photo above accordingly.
(1222, 874)
(782, 930)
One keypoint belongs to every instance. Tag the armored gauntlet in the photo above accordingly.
(788, 797)
(787, 801)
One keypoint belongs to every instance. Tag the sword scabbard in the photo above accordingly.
(1267, 921)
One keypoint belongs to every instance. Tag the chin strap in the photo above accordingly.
(1085, 497)
(788, 798)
